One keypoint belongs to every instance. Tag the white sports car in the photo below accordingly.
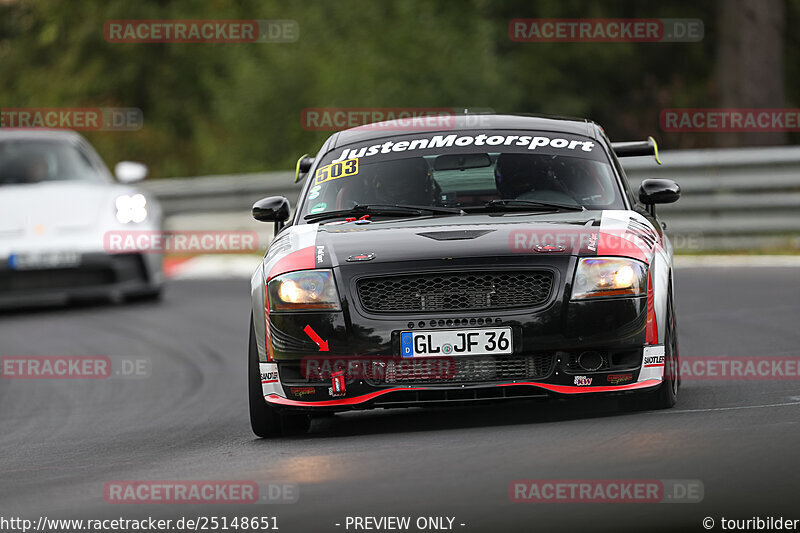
(58, 202)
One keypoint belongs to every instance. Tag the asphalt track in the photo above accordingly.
(62, 440)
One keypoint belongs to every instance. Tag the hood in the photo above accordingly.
(586, 233)
(453, 237)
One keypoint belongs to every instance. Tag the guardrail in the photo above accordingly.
(222, 193)
(731, 198)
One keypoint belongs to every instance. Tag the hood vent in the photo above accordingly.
(456, 235)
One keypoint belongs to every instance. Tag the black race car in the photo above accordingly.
(509, 260)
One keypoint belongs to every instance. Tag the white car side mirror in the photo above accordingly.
(130, 171)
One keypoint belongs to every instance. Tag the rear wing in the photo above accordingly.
(637, 148)
(302, 167)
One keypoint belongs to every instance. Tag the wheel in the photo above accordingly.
(265, 420)
(150, 295)
(667, 394)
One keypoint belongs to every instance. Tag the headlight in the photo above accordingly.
(131, 208)
(303, 290)
(609, 276)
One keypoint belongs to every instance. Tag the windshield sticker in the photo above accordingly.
(337, 169)
(313, 192)
(318, 208)
(442, 141)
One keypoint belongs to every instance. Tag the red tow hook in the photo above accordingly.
(337, 383)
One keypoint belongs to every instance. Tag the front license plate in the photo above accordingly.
(40, 260)
(456, 342)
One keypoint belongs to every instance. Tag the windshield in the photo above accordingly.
(465, 170)
(28, 162)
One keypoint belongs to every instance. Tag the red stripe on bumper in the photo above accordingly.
(570, 389)
(274, 398)
(562, 389)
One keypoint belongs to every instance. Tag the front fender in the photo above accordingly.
(257, 294)
(661, 272)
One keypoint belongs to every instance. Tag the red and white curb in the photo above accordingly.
(211, 266)
(733, 261)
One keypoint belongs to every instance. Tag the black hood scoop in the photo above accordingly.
(456, 235)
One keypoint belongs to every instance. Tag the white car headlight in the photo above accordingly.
(303, 290)
(609, 276)
(131, 208)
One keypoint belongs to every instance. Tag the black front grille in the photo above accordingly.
(455, 291)
(95, 271)
(433, 370)
(25, 280)
(474, 369)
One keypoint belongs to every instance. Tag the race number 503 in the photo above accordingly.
(334, 171)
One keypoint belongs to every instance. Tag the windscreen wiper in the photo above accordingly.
(513, 204)
(401, 210)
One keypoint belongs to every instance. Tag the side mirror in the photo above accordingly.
(130, 171)
(303, 165)
(272, 209)
(658, 191)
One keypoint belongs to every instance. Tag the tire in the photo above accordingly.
(150, 295)
(667, 394)
(265, 420)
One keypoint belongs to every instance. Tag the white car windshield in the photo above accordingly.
(34, 161)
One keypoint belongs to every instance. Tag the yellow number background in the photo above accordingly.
(349, 168)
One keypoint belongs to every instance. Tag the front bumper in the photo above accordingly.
(547, 342)
(282, 388)
(97, 275)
